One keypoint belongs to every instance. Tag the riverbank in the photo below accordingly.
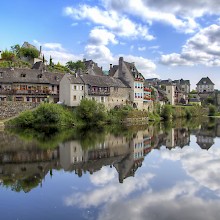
(90, 113)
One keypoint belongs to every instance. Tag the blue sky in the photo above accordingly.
(165, 38)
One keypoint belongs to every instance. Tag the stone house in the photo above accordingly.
(105, 89)
(205, 85)
(29, 85)
(128, 73)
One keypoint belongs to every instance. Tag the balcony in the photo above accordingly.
(139, 79)
(31, 92)
(99, 91)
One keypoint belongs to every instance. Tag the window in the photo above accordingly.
(53, 88)
(168, 91)
(102, 99)
(82, 87)
(28, 99)
(75, 87)
(1, 74)
(74, 98)
(23, 75)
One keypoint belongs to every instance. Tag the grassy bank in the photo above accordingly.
(90, 113)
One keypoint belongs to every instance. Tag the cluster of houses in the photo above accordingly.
(122, 85)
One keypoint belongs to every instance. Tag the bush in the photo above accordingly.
(166, 112)
(46, 114)
(212, 110)
(91, 112)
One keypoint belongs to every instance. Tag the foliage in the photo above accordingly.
(16, 64)
(166, 112)
(28, 52)
(16, 49)
(193, 92)
(117, 115)
(212, 110)
(90, 112)
(46, 114)
(7, 55)
(75, 66)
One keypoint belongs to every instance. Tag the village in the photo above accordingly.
(121, 85)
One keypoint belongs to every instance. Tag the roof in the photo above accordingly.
(29, 76)
(74, 79)
(182, 81)
(91, 65)
(205, 81)
(113, 70)
(103, 81)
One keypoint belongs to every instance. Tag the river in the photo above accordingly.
(154, 172)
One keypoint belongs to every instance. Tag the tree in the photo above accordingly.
(7, 55)
(166, 112)
(212, 110)
(28, 52)
(91, 112)
(75, 66)
(16, 49)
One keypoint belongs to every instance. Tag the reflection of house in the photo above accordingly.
(28, 85)
(126, 155)
(177, 137)
(204, 141)
(205, 85)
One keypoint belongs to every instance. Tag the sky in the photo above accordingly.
(167, 39)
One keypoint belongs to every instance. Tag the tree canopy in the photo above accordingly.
(75, 66)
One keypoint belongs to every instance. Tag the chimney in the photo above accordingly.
(120, 75)
(0, 54)
(110, 66)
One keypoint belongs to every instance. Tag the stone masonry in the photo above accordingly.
(10, 109)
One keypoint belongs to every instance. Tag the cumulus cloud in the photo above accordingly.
(120, 25)
(204, 170)
(180, 14)
(57, 52)
(100, 36)
(109, 193)
(202, 48)
(103, 177)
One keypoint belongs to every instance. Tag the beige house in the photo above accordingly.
(105, 89)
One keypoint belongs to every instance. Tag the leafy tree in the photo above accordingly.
(16, 49)
(212, 110)
(193, 92)
(166, 112)
(28, 52)
(75, 66)
(91, 112)
(7, 55)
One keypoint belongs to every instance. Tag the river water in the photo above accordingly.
(153, 172)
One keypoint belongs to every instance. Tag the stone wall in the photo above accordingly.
(9, 109)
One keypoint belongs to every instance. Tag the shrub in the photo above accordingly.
(212, 110)
(91, 112)
(166, 112)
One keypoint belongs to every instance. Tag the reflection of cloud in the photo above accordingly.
(108, 194)
(200, 164)
(178, 202)
(104, 176)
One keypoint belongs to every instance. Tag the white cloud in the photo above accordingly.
(119, 24)
(50, 46)
(104, 176)
(109, 193)
(141, 48)
(100, 36)
(203, 48)
(180, 14)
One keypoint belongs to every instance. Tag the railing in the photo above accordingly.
(6, 92)
(101, 93)
(32, 92)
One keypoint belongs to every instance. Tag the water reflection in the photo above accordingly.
(168, 172)
(25, 159)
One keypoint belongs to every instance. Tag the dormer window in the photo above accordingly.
(1, 74)
(39, 76)
(23, 75)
